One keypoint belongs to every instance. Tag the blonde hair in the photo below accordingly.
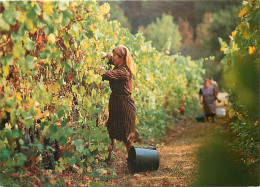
(124, 51)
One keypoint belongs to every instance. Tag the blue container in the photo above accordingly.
(142, 159)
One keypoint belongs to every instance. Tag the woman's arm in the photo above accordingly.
(215, 93)
(200, 96)
(116, 74)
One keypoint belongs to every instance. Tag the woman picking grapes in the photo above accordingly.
(121, 122)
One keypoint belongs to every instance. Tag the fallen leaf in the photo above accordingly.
(52, 181)
(89, 169)
(137, 176)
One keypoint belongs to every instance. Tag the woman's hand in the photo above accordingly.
(100, 70)
(104, 55)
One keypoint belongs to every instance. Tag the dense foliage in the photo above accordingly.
(241, 70)
(53, 104)
(164, 34)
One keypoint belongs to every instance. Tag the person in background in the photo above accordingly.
(214, 84)
(182, 109)
(207, 97)
(121, 121)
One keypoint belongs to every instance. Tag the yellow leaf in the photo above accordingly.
(69, 139)
(18, 97)
(88, 59)
(244, 30)
(100, 18)
(46, 113)
(52, 181)
(6, 70)
(252, 50)
(30, 102)
(212, 57)
(233, 34)
(256, 123)
(29, 24)
(38, 159)
(51, 38)
(32, 3)
(89, 169)
(36, 104)
(38, 114)
(103, 172)
(47, 8)
(240, 116)
(91, 72)
(18, 50)
(45, 130)
(242, 12)
(231, 113)
(104, 9)
(245, 34)
(8, 109)
(54, 88)
(80, 171)
(22, 17)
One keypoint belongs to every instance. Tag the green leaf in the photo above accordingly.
(39, 147)
(4, 155)
(77, 142)
(50, 148)
(9, 59)
(44, 54)
(60, 113)
(3, 24)
(62, 5)
(62, 140)
(65, 122)
(53, 129)
(9, 134)
(71, 160)
(29, 44)
(29, 63)
(67, 15)
(37, 9)
(9, 14)
(21, 142)
(15, 133)
(21, 159)
(18, 50)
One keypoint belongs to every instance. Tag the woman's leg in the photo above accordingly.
(213, 118)
(110, 149)
(128, 145)
(207, 117)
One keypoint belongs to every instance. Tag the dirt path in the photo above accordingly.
(178, 164)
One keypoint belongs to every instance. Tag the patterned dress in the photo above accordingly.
(208, 100)
(121, 122)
